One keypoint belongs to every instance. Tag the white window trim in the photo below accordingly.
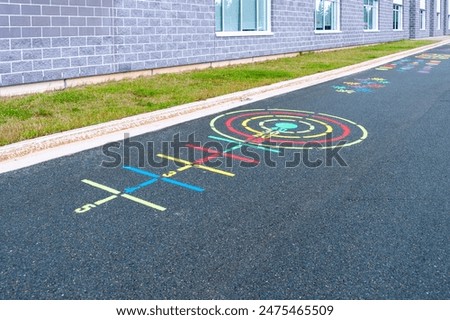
(267, 32)
(438, 14)
(399, 3)
(327, 31)
(338, 22)
(423, 19)
(377, 27)
(243, 33)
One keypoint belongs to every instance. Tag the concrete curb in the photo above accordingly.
(32, 151)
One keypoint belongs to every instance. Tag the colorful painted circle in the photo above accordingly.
(290, 129)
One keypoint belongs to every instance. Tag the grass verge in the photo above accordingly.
(36, 115)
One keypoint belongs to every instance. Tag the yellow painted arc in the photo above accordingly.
(327, 126)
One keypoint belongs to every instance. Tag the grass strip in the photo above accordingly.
(37, 115)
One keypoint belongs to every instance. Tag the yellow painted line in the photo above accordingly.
(329, 130)
(311, 128)
(100, 186)
(100, 202)
(225, 173)
(299, 111)
(174, 159)
(143, 202)
(184, 168)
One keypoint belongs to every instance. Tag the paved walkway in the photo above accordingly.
(334, 191)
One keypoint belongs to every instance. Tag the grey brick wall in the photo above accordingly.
(431, 19)
(44, 40)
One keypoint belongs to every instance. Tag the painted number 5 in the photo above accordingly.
(85, 208)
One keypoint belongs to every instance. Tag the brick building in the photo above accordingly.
(46, 40)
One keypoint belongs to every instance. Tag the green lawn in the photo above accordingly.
(41, 114)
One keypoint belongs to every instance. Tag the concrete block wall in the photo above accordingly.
(443, 14)
(431, 22)
(44, 40)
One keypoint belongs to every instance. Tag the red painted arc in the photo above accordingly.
(345, 129)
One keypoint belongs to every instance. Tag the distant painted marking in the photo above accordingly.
(225, 173)
(143, 202)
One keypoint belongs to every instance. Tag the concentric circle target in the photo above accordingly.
(290, 129)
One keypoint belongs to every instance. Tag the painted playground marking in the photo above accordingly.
(287, 129)
(423, 63)
(268, 130)
(361, 85)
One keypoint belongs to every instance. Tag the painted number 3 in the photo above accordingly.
(85, 208)
(169, 174)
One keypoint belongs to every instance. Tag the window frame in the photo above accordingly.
(375, 12)
(448, 14)
(336, 17)
(247, 33)
(423, 14)
(399, 11)
(423, 19)
(438, 14)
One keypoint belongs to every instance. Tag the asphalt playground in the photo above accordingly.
(336, 191)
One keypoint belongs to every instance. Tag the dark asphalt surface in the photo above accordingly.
(378, 228)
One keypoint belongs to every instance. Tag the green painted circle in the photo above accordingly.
(286, 125)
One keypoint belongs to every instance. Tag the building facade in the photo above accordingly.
(45, 40)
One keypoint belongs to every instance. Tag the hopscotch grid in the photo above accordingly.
(256, 141)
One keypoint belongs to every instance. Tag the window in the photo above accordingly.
(370, 15)
(242, 16)
(438, 14)
(327, 15)
(423, 19)
(448, 14)
(398, 15)
(423, 15)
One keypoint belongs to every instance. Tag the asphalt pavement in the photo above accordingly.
(336, 191)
